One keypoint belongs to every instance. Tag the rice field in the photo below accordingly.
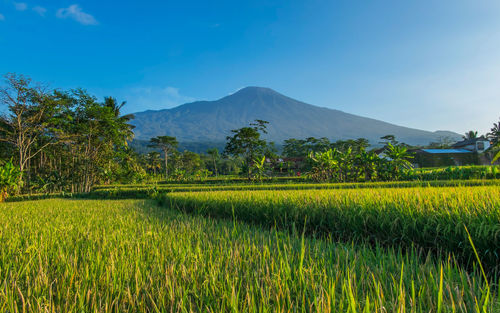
(434, 219)
(61, 255)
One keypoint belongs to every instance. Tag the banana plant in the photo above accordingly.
(399, 157)
(366, 163)
(325, 164)
(259, 168)
(9, 180)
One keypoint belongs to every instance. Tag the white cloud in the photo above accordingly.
(20, 6)
(2, 18)
(154, 98)
(40, 10)
(75, 12)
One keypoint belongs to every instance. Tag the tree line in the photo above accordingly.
(55, 140)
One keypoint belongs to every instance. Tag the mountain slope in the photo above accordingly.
(211, 121)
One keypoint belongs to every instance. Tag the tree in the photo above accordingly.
(154, 161)
(494, 136)
(190, 162)
(121, 121)
(30, 110)
(389, 139)
(214, 153)
(247, 142)
(166, 144)
(294, 148)
(96, 135)
(470, 135)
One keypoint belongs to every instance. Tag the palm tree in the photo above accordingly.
(166, 144)
(154, 160)
(121, 120)
(470, 135)
(214, 153)
(494, 136)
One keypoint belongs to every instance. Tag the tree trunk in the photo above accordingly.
(166, 163)
(215, 167)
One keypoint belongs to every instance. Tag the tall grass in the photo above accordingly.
(429, 218)
(131, 256)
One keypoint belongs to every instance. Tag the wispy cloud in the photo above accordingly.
(155, 98)
(40, 10)
(76, 13)
(20, 6)
(2, 18)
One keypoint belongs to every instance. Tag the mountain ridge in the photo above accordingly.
(212, 121)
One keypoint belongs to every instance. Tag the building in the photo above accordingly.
(478, 145)
(472, 151)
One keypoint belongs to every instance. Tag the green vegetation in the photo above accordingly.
(9, 179)
(429, 218)
(323, 227)
(131, 256)
(454, 173)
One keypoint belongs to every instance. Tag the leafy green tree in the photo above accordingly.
(294, 148)
(356, 145)
(167, 144)
(30, 111)
(247, 142)
(389, 139)
(191, 162)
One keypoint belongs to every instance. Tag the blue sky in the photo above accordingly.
(424, 64)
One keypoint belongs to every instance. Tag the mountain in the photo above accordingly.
(212, 121)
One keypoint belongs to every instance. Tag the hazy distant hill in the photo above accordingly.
(211, 121)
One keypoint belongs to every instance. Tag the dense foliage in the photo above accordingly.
(64, 140)
(350, 166)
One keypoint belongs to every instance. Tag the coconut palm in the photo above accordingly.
(154, 161)
(494, 136)
(214, 153)
(470, 135)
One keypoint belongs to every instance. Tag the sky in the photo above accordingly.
(432, 65)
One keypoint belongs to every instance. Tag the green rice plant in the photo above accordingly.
(131, 256)
(429, 218)
(104, 190)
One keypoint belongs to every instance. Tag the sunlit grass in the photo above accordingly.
(103, 256)
(430, 218)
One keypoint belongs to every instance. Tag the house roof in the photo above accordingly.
(444, 151)
(467, 142)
